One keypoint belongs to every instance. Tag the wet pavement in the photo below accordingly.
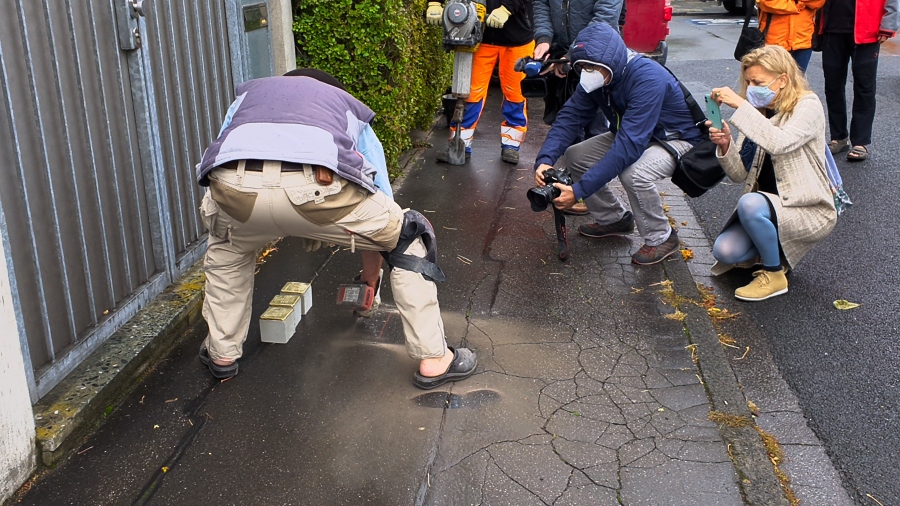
(584, 392)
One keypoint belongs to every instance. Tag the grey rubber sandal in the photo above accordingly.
(463, 365)
(218, 371)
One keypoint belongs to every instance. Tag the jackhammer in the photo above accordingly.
(462, 22)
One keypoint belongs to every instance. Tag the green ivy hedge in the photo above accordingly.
(386, 56)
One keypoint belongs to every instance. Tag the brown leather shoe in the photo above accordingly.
(624, 226)
(649, 255)
(579, 209)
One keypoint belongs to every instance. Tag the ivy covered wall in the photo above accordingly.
(385, 55)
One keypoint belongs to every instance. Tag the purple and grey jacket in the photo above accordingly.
(293, 119)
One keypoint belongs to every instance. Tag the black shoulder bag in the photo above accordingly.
(751, 38)
(698, 169)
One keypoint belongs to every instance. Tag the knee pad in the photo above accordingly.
(416, 226)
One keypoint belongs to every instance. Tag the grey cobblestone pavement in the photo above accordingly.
(595, 398)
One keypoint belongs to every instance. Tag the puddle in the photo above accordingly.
(447, 400)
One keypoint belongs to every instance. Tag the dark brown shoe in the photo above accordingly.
(624, 226)
(649, 255)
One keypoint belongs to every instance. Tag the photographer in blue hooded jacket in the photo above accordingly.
(556, 24)
(643, 101)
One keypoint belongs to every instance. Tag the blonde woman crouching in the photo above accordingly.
(787, 205)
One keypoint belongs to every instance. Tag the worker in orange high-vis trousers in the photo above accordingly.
(508, 36)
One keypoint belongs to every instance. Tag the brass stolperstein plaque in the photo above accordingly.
(285, 300)
(294, 288)
(276, 313)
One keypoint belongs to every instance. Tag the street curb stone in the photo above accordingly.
(79, 403)
(759, 484)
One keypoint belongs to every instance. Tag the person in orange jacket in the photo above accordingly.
(508, 36)
(853, 30)
(792, 26)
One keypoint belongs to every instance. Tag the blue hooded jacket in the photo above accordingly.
(643, 100)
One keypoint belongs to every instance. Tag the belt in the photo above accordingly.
(257, 166)
(322, 175)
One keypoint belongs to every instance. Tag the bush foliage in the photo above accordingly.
(385, 55)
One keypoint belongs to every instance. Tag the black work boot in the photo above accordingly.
(509, 155)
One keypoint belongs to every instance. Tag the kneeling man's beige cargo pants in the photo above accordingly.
(244, 210)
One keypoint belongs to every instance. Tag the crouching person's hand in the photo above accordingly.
(721, 138)
(539, 174)
(566, 197)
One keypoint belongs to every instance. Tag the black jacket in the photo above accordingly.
(519, 28)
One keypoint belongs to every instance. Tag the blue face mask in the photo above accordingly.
(760, 96)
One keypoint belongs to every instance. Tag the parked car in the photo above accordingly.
(646, 27)
(737, 7)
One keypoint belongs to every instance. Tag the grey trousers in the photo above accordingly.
(638, 180)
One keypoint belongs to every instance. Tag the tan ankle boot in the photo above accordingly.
(765, 284)
(579, 209)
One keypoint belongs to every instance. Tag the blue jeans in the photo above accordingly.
(802, 56)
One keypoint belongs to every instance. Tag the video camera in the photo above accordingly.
(535, 85)
(532, 67)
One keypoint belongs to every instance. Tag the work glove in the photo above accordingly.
(434, 13)
(498, 17)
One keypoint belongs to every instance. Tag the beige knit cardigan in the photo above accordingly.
(804, 205)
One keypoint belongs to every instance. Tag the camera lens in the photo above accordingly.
(541, 197)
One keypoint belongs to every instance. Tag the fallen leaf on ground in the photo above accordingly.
(753, 408)
(687, 254)
(677, 315)
(845, 304)
(720, 314)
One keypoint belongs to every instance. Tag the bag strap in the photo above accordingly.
(747, 15)
(768, 19)
(697, 113)
(668, 147)
(768, 23)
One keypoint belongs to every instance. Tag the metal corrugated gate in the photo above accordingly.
(103, 114)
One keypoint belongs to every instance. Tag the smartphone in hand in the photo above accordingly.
(713, 113)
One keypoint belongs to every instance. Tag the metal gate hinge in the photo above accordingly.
(137, 8)
(128, 14)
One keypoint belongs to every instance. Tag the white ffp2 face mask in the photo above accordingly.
(592, 80)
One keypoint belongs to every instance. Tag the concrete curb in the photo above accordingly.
(759, 484)
(83, 399)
